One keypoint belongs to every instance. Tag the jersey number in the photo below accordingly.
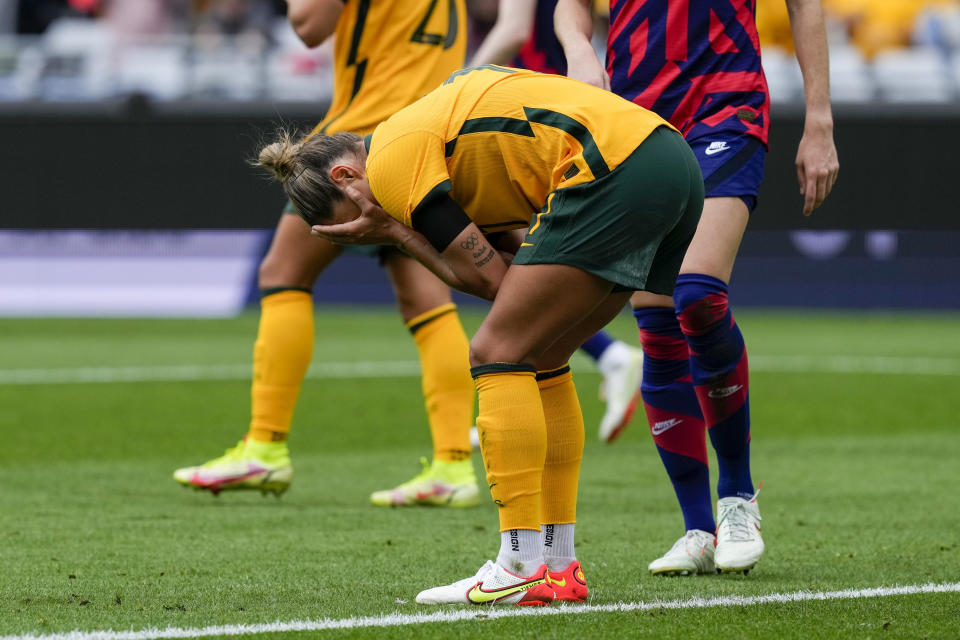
(421, 35)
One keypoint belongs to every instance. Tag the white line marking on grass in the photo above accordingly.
(474, 613)
(408, 368)
(186, 373)
(856, 364)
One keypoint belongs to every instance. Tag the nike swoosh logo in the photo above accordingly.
(437, 491)
(664, 425)
(200, 480)
(724, 392)
(711, 150)
(562, 582)
(477, 595)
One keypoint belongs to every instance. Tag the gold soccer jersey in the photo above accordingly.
(499, 140)
(388, 53)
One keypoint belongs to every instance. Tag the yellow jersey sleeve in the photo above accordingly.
(409, 171)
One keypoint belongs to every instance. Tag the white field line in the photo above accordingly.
(474, 613)
(189, 372)
(407, 368)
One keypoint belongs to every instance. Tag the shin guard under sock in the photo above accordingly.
(281, 356)
(718, 364)
(448, 390)
(673, 413)
(565, 438)
(513, 440)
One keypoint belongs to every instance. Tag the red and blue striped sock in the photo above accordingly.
(718, 364)
(674, 413)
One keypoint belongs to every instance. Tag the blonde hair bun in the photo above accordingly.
(280, 157)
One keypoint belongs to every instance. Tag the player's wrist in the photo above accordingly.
(579, 49)
(818, 120)
(402, 235)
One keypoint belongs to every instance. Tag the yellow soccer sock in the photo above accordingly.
(513, 440)
(281, 356)
(447, 387)
(564, 420)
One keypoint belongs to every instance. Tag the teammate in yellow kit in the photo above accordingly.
(387, 54)
(609, 195)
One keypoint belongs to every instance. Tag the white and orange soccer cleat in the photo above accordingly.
(622, 369)
(739, 543)
(690, 555)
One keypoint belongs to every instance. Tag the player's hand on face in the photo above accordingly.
(817, 167)
(372, 226)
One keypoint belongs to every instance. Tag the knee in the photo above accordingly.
(278, 271)
(486, 349)
(267, 272)
(700, 305)
(415, 299)
(480, 350)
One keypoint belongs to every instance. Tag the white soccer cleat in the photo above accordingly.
(622, 369)
(739, 543)
(690, 555)
(493, 585)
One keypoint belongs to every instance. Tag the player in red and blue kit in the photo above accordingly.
(523, 37)
(697, 64)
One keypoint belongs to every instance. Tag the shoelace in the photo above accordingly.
(680, 544)
(738, 522)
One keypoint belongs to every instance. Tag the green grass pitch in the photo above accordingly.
(855, 424)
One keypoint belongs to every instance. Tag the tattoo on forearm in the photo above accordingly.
(487, 258)
(470, 243)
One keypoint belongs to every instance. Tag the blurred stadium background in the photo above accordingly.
(127, 123)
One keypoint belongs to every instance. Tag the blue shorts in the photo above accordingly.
(732, 165)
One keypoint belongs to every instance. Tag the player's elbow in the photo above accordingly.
(516, 33)
(489, 290)
(483, 288)
(308, 23)
(306, 33)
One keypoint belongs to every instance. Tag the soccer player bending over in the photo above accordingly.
(609, 195)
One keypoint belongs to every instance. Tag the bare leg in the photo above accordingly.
(416, 289)
(295, 258)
